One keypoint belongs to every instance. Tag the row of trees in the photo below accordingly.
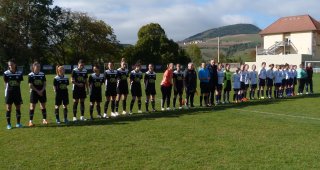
(35, 30)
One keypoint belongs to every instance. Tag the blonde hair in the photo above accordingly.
(58, 68)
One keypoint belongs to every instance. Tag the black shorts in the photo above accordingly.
(290, 82)
(62, 99)
(236, 90)
(14, 97)
(227, 86)
(284, 82)
(262, 82)
(219, 87)
(204, 87)
(79, 93)
(254, 86)
(247, 86)
(277, 84)
(96, 97)
(123, 90)
(136, 91)
(178, 91)
(269, 82)
(35, 97)
(242, 86)
(151, 91)
(111, 91)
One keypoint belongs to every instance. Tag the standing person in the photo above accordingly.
(309, 82)
(150, 84)
(246, 81)
(301, 76)
(190, 82)
(60, 87)
(96, 81)
(294, 67)
(220, 84)
(236, 86)
(178, 85)
(80, 89)
(166, 86)
(135, 86)
(37, 83)
(212, 67)
(253, 76)
(122, 86)
(285, 80)
(277, 81)
(227, 84)
(262, 80)
(204, 77)
(270, 78)
(110, 77)
(12, 79)
(243, 75)
(290, 80)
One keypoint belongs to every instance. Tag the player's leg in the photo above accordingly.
(106, 106)
(44, 112)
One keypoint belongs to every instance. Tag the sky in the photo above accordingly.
(184, 18)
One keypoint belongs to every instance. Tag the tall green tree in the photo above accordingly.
(194, 53)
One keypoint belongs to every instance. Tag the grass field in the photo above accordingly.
(269, 134)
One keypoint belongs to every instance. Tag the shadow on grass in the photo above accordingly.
(121, 120)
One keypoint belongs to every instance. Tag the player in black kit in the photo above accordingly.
(149, 82)
(110, 77)
(60, 87)
(122, 87)
(178, 85)
(96, 80)
(12, 78)
(37, 83)
(79, 77)
(135, 86)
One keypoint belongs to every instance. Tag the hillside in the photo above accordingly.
(224, 31)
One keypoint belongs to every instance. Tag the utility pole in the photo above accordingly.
(218, 49)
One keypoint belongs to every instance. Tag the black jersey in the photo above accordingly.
(135, 78)
(96, 82)
(61, 84)
(37, 80)
(12, 81)
(178, 77)
(111, 77)
(122, 77)
(150, 79)
(79, 76)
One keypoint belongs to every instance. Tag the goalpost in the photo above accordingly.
(315, 65)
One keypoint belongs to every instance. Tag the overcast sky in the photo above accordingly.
(183, 18)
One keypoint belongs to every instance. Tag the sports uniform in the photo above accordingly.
(12, 83)
(178, 77)
(111, 77)
(149, 82)
(79, 76)
(60, 84)
(122, 86)
(135, 85)
(236, 86)
(38, 81)
(95, 83)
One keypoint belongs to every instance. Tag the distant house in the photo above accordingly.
(291, 40)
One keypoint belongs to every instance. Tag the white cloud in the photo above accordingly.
(183, 18)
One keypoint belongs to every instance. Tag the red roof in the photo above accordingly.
(300, 23)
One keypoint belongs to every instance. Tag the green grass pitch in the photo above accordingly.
(268, 134)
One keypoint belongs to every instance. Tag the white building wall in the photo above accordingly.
(303, 42)
(270, 40)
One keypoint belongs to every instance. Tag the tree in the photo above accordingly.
(194, 53)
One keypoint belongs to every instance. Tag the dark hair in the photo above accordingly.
(81, 61)
(263, 63)
(12, 60)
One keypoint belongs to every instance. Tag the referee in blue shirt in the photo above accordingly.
(204, 77)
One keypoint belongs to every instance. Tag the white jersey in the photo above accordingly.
(262, 73)
(278, 76)
(220, 77)
(253, 76)
(236, 81)
(270, 74)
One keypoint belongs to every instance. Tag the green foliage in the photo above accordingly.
(153, 46)
(35, 30)
(194, 53)
(226, 30)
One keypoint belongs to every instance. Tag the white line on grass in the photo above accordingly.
(278, 114)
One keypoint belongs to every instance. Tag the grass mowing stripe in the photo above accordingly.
(278, 114)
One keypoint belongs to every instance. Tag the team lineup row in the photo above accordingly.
(213, 79)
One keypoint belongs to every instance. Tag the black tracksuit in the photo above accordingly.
(213, 81)
(190, 80)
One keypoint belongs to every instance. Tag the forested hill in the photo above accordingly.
(224, 31)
